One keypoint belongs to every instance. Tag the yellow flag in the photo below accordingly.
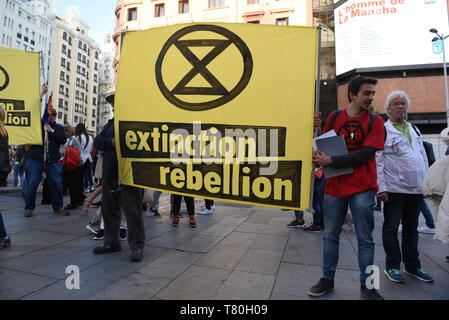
(19, 91)
(219, 111)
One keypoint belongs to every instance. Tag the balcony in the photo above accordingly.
(282, 6)
(256, 9)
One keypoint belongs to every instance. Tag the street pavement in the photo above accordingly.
(238, 253)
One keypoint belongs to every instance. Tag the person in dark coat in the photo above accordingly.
(114, 196)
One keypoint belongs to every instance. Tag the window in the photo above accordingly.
(60, 115)
(216, 3)
(64, 36)
(93, 124)
(282, 22)
(254, 21)
(183, 6)
(159, 10)
(62, 62)
(132, 14)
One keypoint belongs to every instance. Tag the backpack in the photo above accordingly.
(71, 159)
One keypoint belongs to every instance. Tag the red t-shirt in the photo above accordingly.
(354, 130)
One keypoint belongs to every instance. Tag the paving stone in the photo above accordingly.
(32, 240)
(136, 286)
(96, 278)
(270, 242)
(260, 261)
(252, 227)
(200, 243)
(15, 284)
(219, 230)
(170, 265)
(197, 283)
(245, 285)
(229, 251)
(173, 238)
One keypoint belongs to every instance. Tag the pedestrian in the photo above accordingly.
(401, 168)
(18, 166)
(190, 203)
(435, 187)
(115, 196)
(75, 178)
(88, 176)
(155, 205)
(36, 165)
(318, 202)
(5, 240)
(364, 135)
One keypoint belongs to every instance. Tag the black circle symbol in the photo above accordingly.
(200, 67)
(350, 130)
(6, 82)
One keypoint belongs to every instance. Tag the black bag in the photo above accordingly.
(427, 146)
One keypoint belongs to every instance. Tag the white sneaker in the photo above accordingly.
(426, 229)
(206, 211)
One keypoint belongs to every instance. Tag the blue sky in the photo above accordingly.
(99, 14)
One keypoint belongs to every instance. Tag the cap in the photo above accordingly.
(54, 113)
(110, 98)
(444, 135)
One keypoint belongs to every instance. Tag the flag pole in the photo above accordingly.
(45, 109)
(317, 110)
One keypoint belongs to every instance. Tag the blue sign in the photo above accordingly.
(437, 47)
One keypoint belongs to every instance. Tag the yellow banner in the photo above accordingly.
(19, 91)
(219, 111)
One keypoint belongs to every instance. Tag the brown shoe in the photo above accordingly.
(62, 212)
(28, 213)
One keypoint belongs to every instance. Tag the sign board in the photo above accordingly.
(219, 111)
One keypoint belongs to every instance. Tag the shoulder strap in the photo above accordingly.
(416, 129)
(335, 115)
(372, 118)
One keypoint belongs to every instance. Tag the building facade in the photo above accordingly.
(133, 15)
(29, 26)
(75, 73)
(107, 78)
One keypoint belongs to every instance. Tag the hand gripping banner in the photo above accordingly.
(19, 92)
(219, 111)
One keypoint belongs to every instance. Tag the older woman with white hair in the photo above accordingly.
(401, 168)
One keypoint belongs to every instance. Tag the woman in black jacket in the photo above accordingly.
(5, 241)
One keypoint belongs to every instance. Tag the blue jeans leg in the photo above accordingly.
(362, 209)
(335, 210)
(318, 201)
(16, 173)
(33, 172)
(426, 213)
(53, 172)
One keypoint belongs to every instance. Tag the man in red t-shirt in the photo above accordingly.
(364, 135)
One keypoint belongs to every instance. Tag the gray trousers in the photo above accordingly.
(130, 200)
(156, 197)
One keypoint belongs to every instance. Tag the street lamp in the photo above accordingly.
(442, 37)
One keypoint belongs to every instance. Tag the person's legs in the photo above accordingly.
(33, 171)
(110, 204)
(156, 197)
(3, 233)
(426, 213)
(209, 204)
(190, 204)
(53, 172)
(3, 178)
(335, 210)
(176, 204)
(131, 198)
(318, 201)
(393, 209)
(410, 219)
(362, 210)
(16, 173)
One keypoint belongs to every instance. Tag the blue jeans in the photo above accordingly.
(33, 172)
(318, 201)
(426, 213)
(335, 210)
(18, 172)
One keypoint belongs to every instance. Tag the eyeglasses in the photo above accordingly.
(399, 104)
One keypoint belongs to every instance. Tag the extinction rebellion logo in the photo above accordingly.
(16, 116)
(200, 67)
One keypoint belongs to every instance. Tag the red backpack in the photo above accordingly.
(71, 159)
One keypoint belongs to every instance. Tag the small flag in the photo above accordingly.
(48, 109)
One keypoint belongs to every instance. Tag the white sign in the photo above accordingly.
(388, 33)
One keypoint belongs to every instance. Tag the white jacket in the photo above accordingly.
(85, 148)
(401, 166)
(435, 186)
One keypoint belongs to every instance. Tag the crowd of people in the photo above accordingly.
(389, 160)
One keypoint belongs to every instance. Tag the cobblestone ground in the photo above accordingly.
(239, 252)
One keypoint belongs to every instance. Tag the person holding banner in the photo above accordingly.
(36, 164)
(364, 135)
(5, 240)
(116, 196)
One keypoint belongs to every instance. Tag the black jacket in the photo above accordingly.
(4, 154)
(103, 142)
(55, 140)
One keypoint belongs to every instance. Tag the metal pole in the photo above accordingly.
(445, 81)
(317, 110)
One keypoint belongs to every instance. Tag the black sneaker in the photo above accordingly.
(99, 235)
(370, 294)
(155, 213)
(296, 224)
(106, 249)
(321, 288)
(123, 234)
(136, 255)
